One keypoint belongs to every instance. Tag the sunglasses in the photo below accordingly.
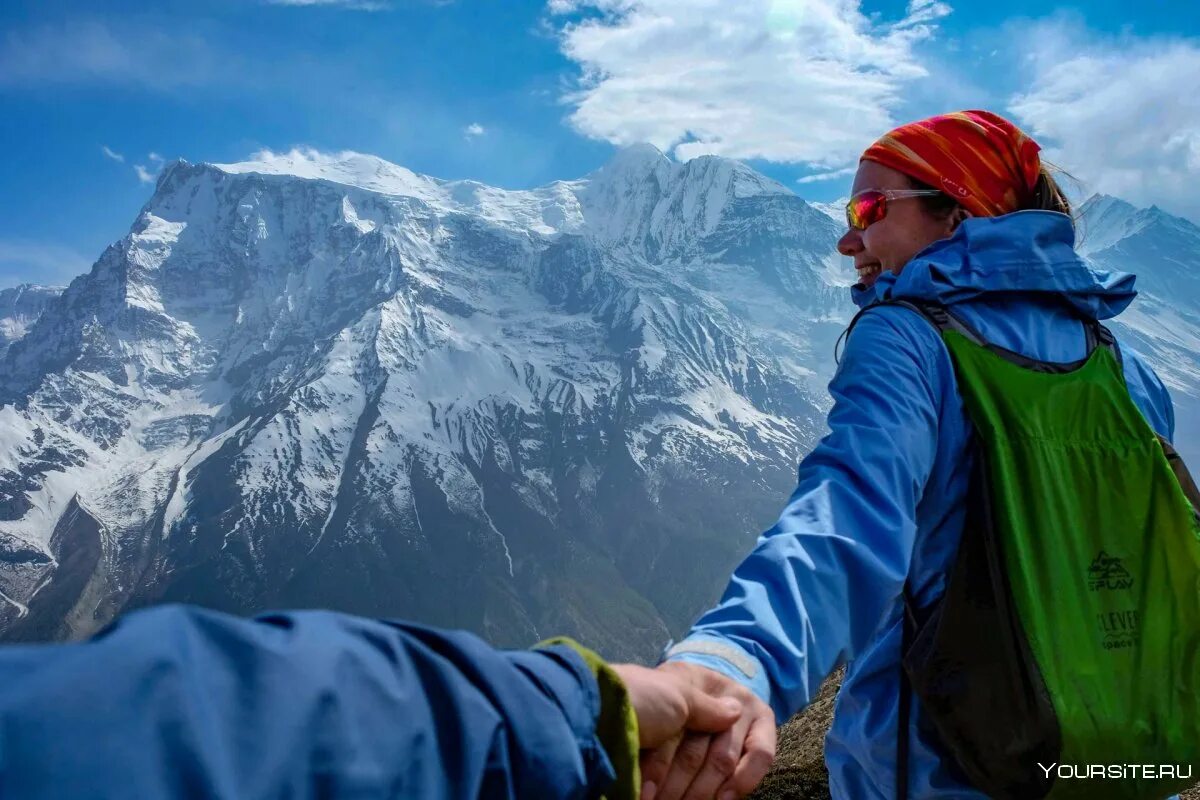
(869, 206)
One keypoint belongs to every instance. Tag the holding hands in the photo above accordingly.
(702, 735)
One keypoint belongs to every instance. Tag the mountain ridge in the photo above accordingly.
(305, 392)
(509, 411)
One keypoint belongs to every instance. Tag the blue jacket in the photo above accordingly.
(881, 498)
(177, 702)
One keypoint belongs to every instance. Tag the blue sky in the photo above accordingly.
(517, 93)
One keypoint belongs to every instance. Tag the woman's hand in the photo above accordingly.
(725, 765)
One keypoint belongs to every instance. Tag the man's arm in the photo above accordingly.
(177, 701)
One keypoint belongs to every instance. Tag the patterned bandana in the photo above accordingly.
(981, 160)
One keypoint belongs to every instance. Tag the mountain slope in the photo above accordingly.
(361, 388)
(1164, 322)
(314, 380)
(20, 307)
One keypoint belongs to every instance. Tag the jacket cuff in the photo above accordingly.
(721, 655)
(616, 723)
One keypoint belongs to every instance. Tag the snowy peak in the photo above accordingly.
(734, 176)
(1105, 221)
(836, 210)
(20, 307)
(642, 198)
(1162, 249)
(1105, 206)
(635, 162)
(546, 210)
(329, 380)
(347, 167)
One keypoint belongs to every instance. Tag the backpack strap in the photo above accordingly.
(1103, 338)
(942, 318)
(904, 713)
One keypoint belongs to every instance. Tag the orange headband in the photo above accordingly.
(980, 159)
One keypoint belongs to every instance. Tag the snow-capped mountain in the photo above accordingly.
(1164, 322)
(20, 307)
(329, 381)
(835, 210)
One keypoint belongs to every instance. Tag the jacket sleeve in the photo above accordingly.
(819, 582)
(1149, 393)
(181, 702)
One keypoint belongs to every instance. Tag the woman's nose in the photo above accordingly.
(850, 243)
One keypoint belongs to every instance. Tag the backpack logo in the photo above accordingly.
(1120, 629)
(1107, 572)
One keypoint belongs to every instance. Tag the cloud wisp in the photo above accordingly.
(474, 131)
(145, 174)
(796, 81)
(1115, 113)
(149, 174)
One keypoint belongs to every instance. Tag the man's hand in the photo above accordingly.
(667, 707)
(727, 765)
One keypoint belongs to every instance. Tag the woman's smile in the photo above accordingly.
(868, 273)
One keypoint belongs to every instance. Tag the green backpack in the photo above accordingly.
(1063, 660)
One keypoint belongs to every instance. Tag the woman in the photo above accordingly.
(959, 210)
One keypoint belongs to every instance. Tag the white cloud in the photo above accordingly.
(473, 130)
(827, 176)
(926, 11)
(23, 261)
(800, 81)
(351, 5)
(144, 175)
(1120, 114)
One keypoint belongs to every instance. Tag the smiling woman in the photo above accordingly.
(916, 161)
(978, 376)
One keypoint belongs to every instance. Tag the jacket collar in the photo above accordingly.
(1023, 252)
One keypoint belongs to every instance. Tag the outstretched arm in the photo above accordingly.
(819, 583)
(178, 701)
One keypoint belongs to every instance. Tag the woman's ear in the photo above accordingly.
(957, 216)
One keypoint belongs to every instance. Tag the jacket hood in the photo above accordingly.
(1026, 251)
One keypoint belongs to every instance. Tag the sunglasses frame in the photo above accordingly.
(888, 194)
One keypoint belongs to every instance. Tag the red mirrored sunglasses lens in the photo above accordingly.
(865, 208)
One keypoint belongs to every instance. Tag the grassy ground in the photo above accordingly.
(799, 771)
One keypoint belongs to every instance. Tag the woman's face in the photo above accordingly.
(907, 229)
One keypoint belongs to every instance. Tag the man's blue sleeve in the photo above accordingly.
(182, 702)
(818, 583)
